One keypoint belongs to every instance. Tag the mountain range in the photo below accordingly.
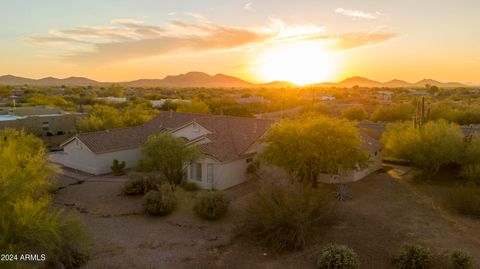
(200, 79)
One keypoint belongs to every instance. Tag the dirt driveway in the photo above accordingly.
(381, 215)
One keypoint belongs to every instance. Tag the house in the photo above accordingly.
(161, 102)
(252, 100)
(383, 95)
(374, 149)
(49, 123)
(227, 145)
(113, 99)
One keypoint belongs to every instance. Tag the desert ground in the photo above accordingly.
(384, 211)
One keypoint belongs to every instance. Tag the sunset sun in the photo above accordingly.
(298, 62)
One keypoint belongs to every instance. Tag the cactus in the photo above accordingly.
(420, 118)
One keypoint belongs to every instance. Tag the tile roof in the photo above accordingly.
(230, 136)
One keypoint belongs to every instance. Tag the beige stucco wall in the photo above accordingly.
(78, 156)
(352, 176)
(225, 175)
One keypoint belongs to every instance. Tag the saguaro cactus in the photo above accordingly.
(420, 118)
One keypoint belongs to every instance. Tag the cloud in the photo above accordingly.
(127, 39)
(248, 6)
(173, 13)
(356, 13)
(194, 15)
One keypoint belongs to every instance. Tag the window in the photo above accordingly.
(45, 126)
(209, 173)
(196, 171)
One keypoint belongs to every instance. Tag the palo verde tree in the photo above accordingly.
(428, 146)
(168, 155)
(308, 147)
(28, 221)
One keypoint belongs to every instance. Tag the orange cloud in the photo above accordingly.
(127, 39)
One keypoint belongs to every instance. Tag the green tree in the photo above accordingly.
(168, 155)
(308, 147)
(196, 106)
(27, 219)
(357, 113)
(438, 143)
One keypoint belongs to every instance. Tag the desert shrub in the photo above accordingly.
(75, 246)
(398, 112)
(461, 260)
(355, 113)
(282, 215)
(471, 172)
(412, 257)
(133, 186)
(464, 200)
(189, 185)
(152, 181)
(118, 167)
(253, 167)
(212, 205)
(141, 183)
(338, 257)
(159, 203)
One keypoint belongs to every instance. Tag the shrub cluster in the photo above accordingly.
(141, 183)
(189, 185)
(412, 257)
(282, 215)
(461, 260)
(159, 202)
(338, 257)
(212, 205)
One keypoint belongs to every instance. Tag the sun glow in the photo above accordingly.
(298, 62)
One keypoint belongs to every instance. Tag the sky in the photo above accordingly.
(302, 41)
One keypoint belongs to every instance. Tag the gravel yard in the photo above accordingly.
(382, 214)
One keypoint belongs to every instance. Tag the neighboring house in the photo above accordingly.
(383, 95)
(326, 98)
(112, 99)
(49, 123)
(227, 145)
(161, 102)
(374, 149)
(252, 99)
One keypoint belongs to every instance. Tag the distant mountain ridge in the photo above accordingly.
(394, 83)
(200, 79)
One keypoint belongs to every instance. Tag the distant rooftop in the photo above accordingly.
(8, 118)
(30, 111)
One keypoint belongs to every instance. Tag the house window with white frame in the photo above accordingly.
(196, 171)
(209, 173)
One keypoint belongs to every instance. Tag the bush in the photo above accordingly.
(464, 200)
(253, 167)
(140, 183)
(189, 186)
(75, 247)
(357, 113)
(461, 260)
(282, 215)
(412, 257)
(338, 257)
(471, 172)
(133, 186)
(117, 167)
(212, 205)
(159, 203)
